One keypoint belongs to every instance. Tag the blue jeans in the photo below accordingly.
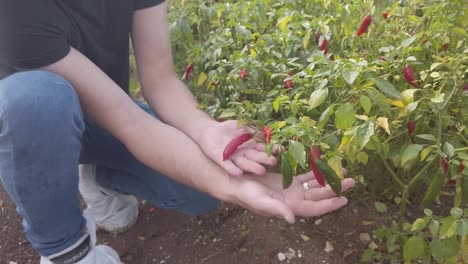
(44, 136)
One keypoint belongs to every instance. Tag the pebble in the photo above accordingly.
(318, 222)
(12, 262)
(281, 257)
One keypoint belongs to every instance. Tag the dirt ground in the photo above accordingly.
(229, 235)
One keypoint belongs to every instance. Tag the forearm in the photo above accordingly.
(168, 150)
(175, 104)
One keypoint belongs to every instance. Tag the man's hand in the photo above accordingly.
(265, 195)
(249, 157)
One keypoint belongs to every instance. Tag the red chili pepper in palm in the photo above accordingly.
(315, 153)
(323, 46)
(444, 164)
(243, 74)
(188, 71)
(385, 15)
(364, 25)
(268, 134)
(409, 75)
(234, 145)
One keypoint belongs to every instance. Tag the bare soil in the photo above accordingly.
(229, 235)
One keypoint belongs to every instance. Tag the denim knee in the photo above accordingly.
(38, 101)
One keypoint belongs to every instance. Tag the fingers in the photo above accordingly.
(306, 177)
(316, 194)
(317, 208)
(276, 207)
(249, 165)
(232, 169)
(260, 157)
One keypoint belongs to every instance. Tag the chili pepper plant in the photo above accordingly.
(373, 86)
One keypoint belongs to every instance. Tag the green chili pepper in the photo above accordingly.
(434, 189)
(330, 175)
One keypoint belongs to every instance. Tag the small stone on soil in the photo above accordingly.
(329, 247)
(318, 222)
(281, 256)
(364, 238)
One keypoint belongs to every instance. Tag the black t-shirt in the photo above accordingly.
(37, 33)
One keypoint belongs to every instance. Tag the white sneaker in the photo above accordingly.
(85, 250)
(114, 212)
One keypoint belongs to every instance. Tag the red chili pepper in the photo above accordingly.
(315, 153)
(364, 25)
(288, 84)
(385, 15)
(243, 74)
(290, 73)
(234, 145)
(188, 71)
(323, 46)
(411, 125)
(331, 57)
(382, 58)
(461, 167)
(268, 134)
(444, 164)
(409, 75)
(465, 87)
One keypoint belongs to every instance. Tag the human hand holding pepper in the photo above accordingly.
(249, 157)
(265, 195)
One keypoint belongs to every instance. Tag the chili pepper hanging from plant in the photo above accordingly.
(364, 25)
(409, 75)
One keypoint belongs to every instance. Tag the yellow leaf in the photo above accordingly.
(383, 123)
(397, 103)
(307, 39)
(283, 23)
(408, 95)
(253, 53)
(344, 143)
(335, 164)
(362, 117)
(201, 78)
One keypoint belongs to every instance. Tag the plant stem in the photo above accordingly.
(420, 173)
(389, 169)
(401, 220)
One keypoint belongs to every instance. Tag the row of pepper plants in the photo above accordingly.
(378, 87)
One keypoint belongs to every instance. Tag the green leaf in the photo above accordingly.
(420, 224)
(407, 42)
(317, 98)
(434, 227)
(286, 171)
(414, 248)
(325, 116)
(427, 137)
(410, 153)
(363, 157)
(380, 207)
(276, 104)
(330, 176)
(345, 116)
(436, 186)
(366, 103)
(364, 133)
(448, 228)
(442, 250)
(297, 151)
(438, 99)
(463, 228)
(387, 88)
(425, 152)
(227, 114)
(449, 149)
(456, 212)
(350, 75)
